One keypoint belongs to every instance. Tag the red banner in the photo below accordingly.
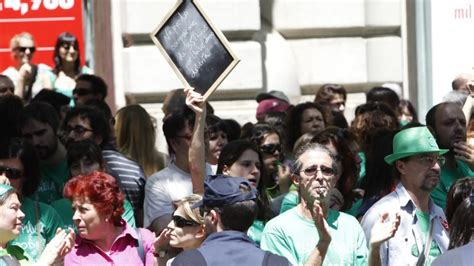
(45, 20)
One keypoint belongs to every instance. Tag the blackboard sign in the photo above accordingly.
(198, 52)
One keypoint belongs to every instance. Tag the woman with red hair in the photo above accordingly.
(103, 236)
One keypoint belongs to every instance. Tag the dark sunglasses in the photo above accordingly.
(11, 173)
(82, 91)
(181, 222)
(68, 45)
(6, 89)
(23, 49)
(270, 148)
(78, 130)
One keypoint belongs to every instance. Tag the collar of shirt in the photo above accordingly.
(228, 235)
(127, 232)
(407, 203)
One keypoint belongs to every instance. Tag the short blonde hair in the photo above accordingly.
(15, 41)
(187, 203)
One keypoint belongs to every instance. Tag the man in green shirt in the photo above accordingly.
(448, 125)
(311, 233)
(39, 123)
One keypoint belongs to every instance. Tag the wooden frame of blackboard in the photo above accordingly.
(218, 33)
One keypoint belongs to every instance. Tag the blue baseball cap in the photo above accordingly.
(223, 190)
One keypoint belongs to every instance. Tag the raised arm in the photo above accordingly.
(197, 154)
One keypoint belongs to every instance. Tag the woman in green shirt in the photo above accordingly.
(19, 167)
(11, 218)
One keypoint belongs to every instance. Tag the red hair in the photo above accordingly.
(101, 190)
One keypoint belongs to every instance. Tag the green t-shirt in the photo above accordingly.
(255, 231)
(64, 208)
(53, 179)
(448, 178)
(290, 200)
(293, 236)
(49, 222)
(424, 223)
(12, 253)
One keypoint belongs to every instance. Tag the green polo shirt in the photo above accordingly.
(29, 239)
(64, 208)
(448, 178)
(293, 236)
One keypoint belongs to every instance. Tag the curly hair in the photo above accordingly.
(293, 121)
(369, 117)
(101, 190)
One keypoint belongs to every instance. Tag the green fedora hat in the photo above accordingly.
(412, 141)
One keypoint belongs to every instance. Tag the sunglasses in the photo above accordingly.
(81, 91)
(181, 222)
(270, 148)
(313, 170)
(11, 173)
(23, 49)
(68, 45)
(78, 130)
(6, 89)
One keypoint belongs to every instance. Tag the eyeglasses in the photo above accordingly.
(270, 148)
(81, 91)
(430, 161)
(182, 222)
(23, 49)
(78, 130)
(313, 170)
(11, 173)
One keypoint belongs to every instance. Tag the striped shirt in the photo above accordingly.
(130, 176)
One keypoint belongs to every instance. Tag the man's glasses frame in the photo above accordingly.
(312, 171)
(77, 129)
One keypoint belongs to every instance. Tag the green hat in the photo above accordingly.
(4, 189)
(413, 141)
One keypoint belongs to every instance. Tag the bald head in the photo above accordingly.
(460, 83)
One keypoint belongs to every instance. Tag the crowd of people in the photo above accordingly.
(80, 185)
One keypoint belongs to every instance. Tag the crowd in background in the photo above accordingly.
(302, 186)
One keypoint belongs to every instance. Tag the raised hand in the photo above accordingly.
(58, 247)
(195, 101)
(161, 242)
(464, 152)
(383, 230)
(320, 223)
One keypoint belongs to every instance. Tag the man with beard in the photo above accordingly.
(448, 125)
(311, 233)
(422, 235)
(39, 123)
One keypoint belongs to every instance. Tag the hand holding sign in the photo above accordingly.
(198, 52)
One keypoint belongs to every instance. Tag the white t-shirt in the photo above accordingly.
(163, 188)
(39, 83)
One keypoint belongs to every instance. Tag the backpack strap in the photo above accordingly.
(140, 249)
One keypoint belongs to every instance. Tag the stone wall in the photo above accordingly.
(289, 45)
